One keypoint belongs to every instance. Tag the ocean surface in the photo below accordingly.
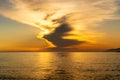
(59, 66)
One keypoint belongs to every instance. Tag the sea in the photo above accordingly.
(59, 66)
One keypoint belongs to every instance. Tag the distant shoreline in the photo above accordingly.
(62, 50)
(113, 50)
(52, 51)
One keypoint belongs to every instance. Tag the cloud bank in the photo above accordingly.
(48, 15)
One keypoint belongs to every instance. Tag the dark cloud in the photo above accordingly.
(56, 37)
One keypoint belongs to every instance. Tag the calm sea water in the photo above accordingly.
(59, 66)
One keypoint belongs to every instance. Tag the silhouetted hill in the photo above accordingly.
(114, 50)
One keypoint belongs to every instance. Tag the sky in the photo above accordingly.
(78, 25)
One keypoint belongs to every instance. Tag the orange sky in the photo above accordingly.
(85, 25)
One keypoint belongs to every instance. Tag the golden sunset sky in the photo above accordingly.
(85, 25)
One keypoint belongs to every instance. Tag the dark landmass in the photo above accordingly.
(114, 50)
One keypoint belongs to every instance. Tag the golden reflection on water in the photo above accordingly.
(44, 59)
(74, 66)
(55, 65)
(59, 66)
